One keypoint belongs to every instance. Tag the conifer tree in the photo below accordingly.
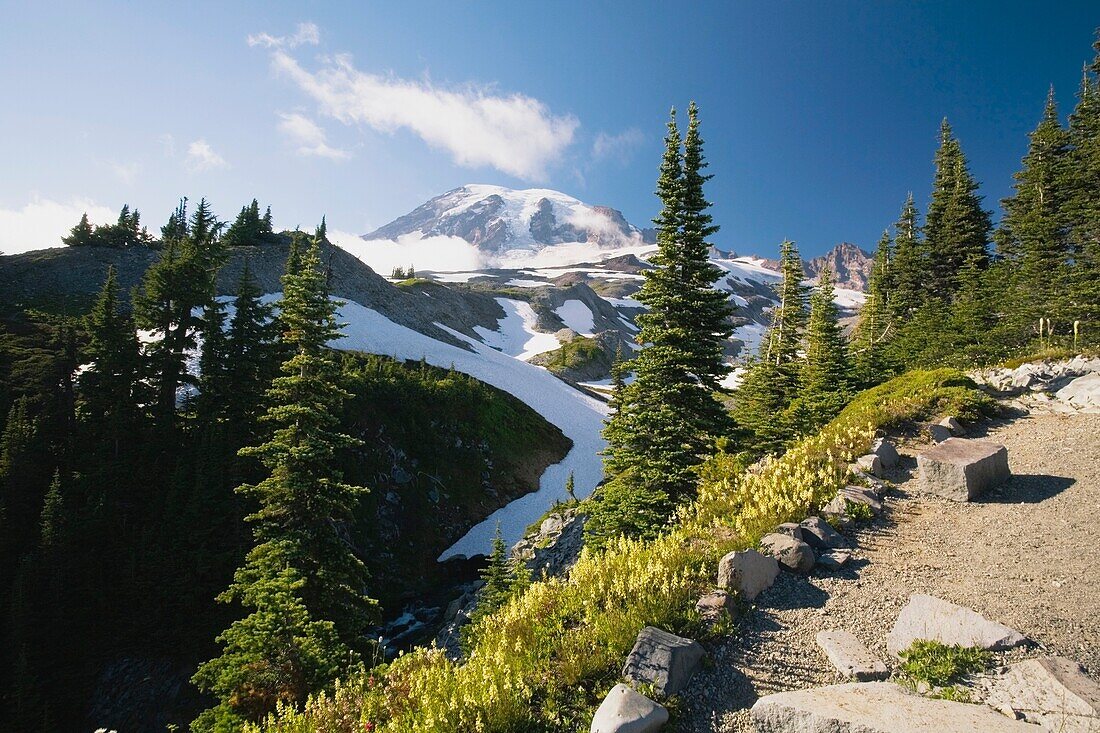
(910, 267)
(1034, 238)
(668, 418)
(1083, 205)
(875, 325)
(304, 582)
(109, 387)
(81, 235)
(824, 374)
(52, 509)
(249, 355)
(956, 229)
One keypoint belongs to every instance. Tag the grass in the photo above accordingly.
(1052, 353)
(544, 661)
(573, 354)
(941, 667)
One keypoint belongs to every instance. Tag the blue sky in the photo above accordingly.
(818, 116)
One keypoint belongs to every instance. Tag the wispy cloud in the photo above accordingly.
(308, 137)
(42, 223)
(125, 172)
(476, 125)
(305, 34)
(201, 157)
(620, 147)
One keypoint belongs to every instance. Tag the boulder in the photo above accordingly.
(927, 617)
(834, 559)
(748, 572)
(711, 605)
(1051, 691)
(791, 530)
(938, 433)
(663, 660)
(963, 469)
(820, 535)
(792, 554)
(870, 463)
(853, 660)
(874, 707)
(953, 425)
(862, 495)
(626, 711)
(1082, 393)
(887, 454)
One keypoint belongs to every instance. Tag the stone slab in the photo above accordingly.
(962, 469)
(747, 572)
(1053, 692)
(626, 711)
(874, 707)
(663, 660)
(934, 619)
(850, 657)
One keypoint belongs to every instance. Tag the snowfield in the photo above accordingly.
(516, 334)
(577, 316)
(577, 415)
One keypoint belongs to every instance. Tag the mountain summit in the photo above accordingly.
(498, 220)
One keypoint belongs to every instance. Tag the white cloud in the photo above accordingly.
(432, 253)
(168, 144)
(304, 34)
(201, 157)
(42, 223)
(513, 133)
(309, 137)
(125, 172)
(619, 146)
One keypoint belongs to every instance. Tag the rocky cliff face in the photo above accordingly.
(850, 265)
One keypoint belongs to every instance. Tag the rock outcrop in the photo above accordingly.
(1051, 691)
(931, 618)
(874, 707)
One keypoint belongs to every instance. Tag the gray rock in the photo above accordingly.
(939, 433)
(748, 572)
(792, 554)
(1051, 691)
(820, 535)
(953, 425)
(963, 469)
(712, 605)
(1082, 393)
(862, 495)
(853, 660)
(927, 617)
(626, 711)
(663, 660)
(791, 530)
(887, 454)
(837, 511)
(834, 559)
(874, 707)
(870, 463)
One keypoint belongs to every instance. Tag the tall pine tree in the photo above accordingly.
(823, 379)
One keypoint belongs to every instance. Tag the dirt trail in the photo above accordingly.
(1025, 555)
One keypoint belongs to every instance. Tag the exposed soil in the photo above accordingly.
(1024, 555)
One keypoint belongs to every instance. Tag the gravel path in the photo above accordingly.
(1025, 555)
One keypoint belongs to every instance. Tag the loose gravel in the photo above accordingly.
(1024, 555)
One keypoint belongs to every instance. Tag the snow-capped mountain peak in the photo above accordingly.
(499, 220)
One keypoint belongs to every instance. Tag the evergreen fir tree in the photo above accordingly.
(249, 356)
(1035, 241)
(109, 387)
(304, 581)
(176, 227)
(571, 487)
(52, 509)
(668, 418)
(81, 235)
(1082, 210)
(824, 374)
(875, 325)
(957, 229)
(910, 267)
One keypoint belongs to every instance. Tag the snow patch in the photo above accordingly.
(516, 334)
(577, 316)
